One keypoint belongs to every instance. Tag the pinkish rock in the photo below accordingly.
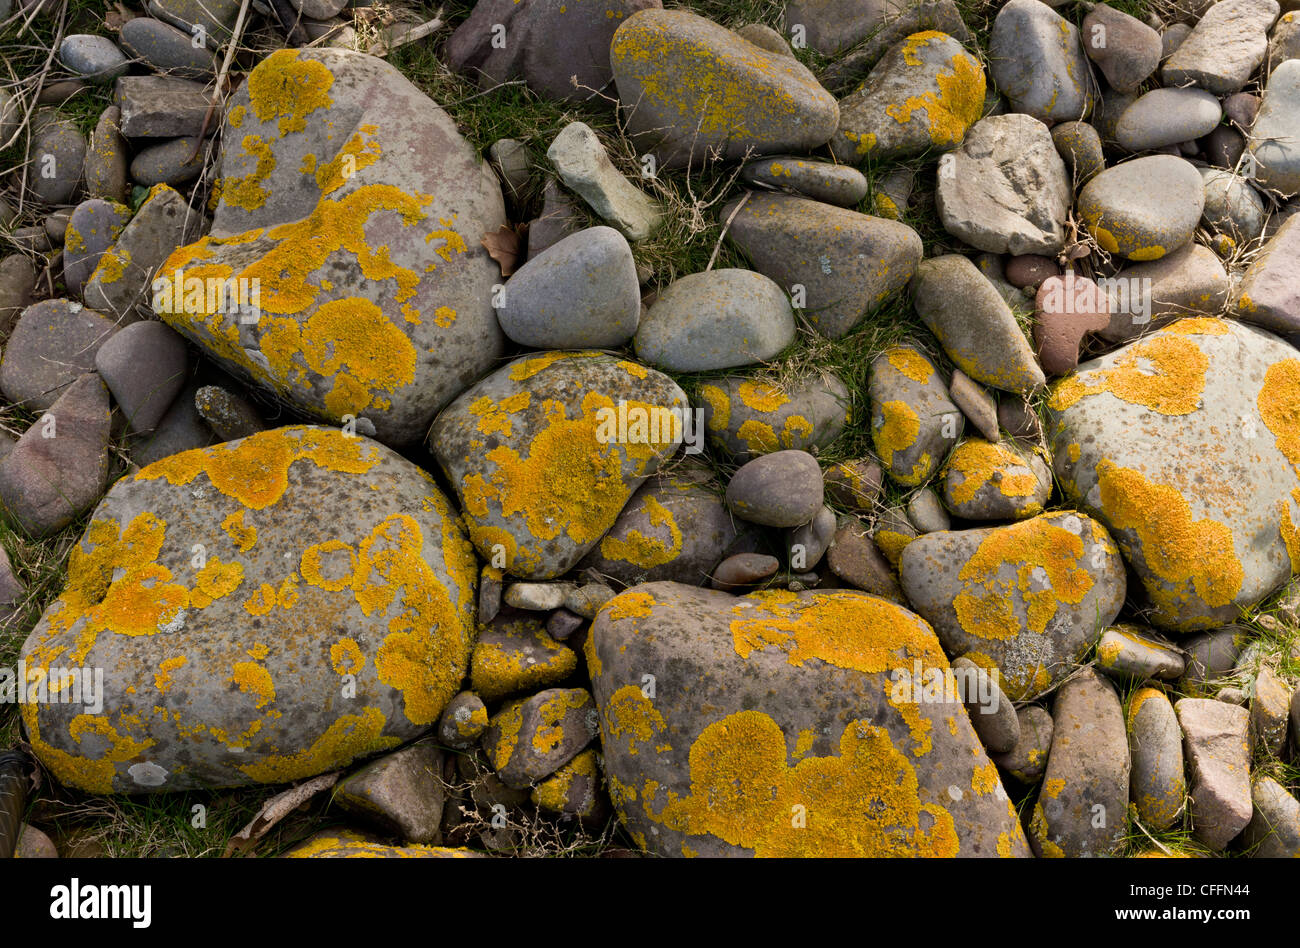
(1068, 308)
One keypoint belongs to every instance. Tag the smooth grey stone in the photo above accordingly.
(175, 162)
(1145, 208)
(1129, 651)
(96, 58)
(17, 283)
(1224, 48)
(58, 155)
(927, 513)
(808, 543)
(559, 219)
(1274, 828)
(1028, 759)
(992, 714)
(1124, 48)
(744, 569)
(1158, 787)
(167, 49)
(1275, 136)
(1269, 292)
(1146, 296)
(106, 158)
(1232, 206)
(145, 366)
(182, 428)
(782, 489)
(1224, 146)
(840, 185)
(53, 344)
(975, 402)
(1167, 117)
(1080, 146)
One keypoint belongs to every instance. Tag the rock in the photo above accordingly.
(833, 26)
(1030, 598)
(1066, 310)
(735, 688)
(562, 625)
(587, 600)
(347, 844)
(846, 263)
(913, 422)
(120, 286)
(714, 320)
(559, 219)
(244, 653)
(881, 33)
(1166, 117)
(166, 49)
(1146, 296)
(1028, 759)
(751, 415)
(894, 531)
(1224, 48)
(462, 721)
(394, 336)
(582, 163)
(808, 542)
(175, 162)
(1079, 146)
(162, 106)
(400, 793)
(92, 229)
(984, 481)
(1232, 206)
(1107, 115)
(52, 344)
(975, 403)
(1144, 208)
(1224, 147)
(1037, 60)
(1020, 420)
(214, 18)
(33, 844)
(854, 485)
(1218, 758)
(319, 9)
(1171, 496)
(1005, 190)
(891, 193)
(95, 58)
(1173, 37)
(675, 528)
(144, 366)
(1275, 136)
(927, 513)
(581, 293)
(764, 37)
(182, 428)
(537, 597)
(670, 67)
(1270, 703)
(991, 714)
(544, 43)
(9, 118)
(58, 153)
(1269, 292)
(59, 467)
(1210, 656)
(856, 558)
(1082, 807)
(1028, 271)
(512, 165)
(1240, 108)
(231, 416)
(530, 739)
(781, 489)
(1130, 651)
(1124, 48)
(17, 284)
(817, 180)
(744, 569)
(574, 791)
(974, 324)
(1274, 828)
(105, 165)
(1283, 45)
(925, 93)
(1157, 786)
(528, 452)
(489, 593)
(514, 654)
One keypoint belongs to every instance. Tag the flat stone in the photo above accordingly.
(1275, 136)
(781, 489)
(17, 284)
(106, 158)
(514, 654)
(1157, 788)
(94, 58)
(1037, 59)
(751, 415)
(175, 162)
(744, 569)
(1124, 48)
(162, 106)
(1145, 208)
(145, 366)
(1028, 759)
(995, 481)
(913, 423)
(1218, 756)
(817, 180)
(53, 343)
(856, 559)
(1224, 48)
(582, 164)
(399, 793)
(1166, 117)
(975, 402)
(167, 49)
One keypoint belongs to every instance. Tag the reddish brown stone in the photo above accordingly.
(1068, 308)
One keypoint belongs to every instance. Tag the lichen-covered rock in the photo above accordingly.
(514, 654)
(774, 716)
(1029, 598)
(1144, 208)
(691, 86)
(923, 94)
(1130, 651)
(92, 229)
(545, 452)
(749, 416)
(532, 738)
(357, 237)
(1274, 828)
(263, 610)
(1028, 759)
(1037, 61)
(462, 721)
(914, 424)
(1157, 785)
(575, 790)
(349, 844)
(984, 481)
(819, 180)
(1184, 445)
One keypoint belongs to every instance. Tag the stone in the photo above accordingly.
(995, 481)
(17, 285)
(526, 450)
(744, 569)
(182, 428)
(514, 654)
(1269, 292)
(1029, 270)
(927, 513)
(669, 67)
(1124, 48)
(1028, 759)
(588, 599)
(847, 263)
(1275, 136)
(913, 423)
(991, 714)
(1166, 117)
(854, 485)
(33, 844)
(1067, 309)
(1037, 59)
(1157, 786)
(145, 366)
(856, 558)
(751, 415)
(549, 44)
(1274, 828)
(1224, 48)
(833, 26)
(536, 597)
(675, 527)
(1218, 757)
(1270, 703)
(388, 337)
(462, 721)
(166, 49)
(1224, 147)
(319, 9)
(105, 166)
(1232, 206)
(975, 403)
(175, 162)
(57, 147)
(1107, 114)
(1240, 108)
(530, 739)
(1131, 651)
(348, 844)
(923, 95)
(9, 118)
(399, 793)
(559, 219)
(1079, 146)
(1088, 769)
(1210, 656)
(1031, 597)
(1145, 208)
(59, 467)
(214, 18)
(244, 651)
(1171, 495)
(489, 593)
(891, 193)
(1019, 420)
(92, 229)
(901, 21)
(1283, 44)
(510, 159)
(894, 531)
(94, 58)
(1147, 296)
(764, 37)
(808, 542)
(161, 106)
(580, 293)
(1173, 37)
(563, 624)
(1005, 190)
(974, 325)
(733, 696)
(230, 415)
(817, 180)
(714, 320)
(781, 489)
(574, 790)
(53, 343)
(582, 164)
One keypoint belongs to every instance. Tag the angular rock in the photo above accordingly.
(1224, 48)
(1157, 786)
(1269, 292)
(1145, 208)
(913, 422)
(162, 106)
(92, 229)
(1274, 828)
(582, 164)
(144, 366)
(856, 558)
(1218, 757)
(529, 740)
(514, 654)
(399, 793)
(1130, 651)
(1037, 60)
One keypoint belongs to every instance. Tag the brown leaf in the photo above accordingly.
(117, 14)
(1079, 251)
(277, 808)
(503, 247)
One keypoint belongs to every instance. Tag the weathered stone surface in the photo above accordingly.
(57, 147)
(575, 790)
(1224, 48)
(1080, 146)
(1274, 828)
(1275, 136)
(1218, 757)
(762, 689)
(530, 739)
(162, 106)
(1164, 117)
(913, 422)
(1037, 61)
(1029, 598)
(1232, 206)
(144, 366)
(1145, 208)
(749, 416)
(832, 26)
(514, 654)
(583, 164)
(214, 17)
(991, 713)
(462, 721)
(228, 413)
(400, 330)
(894, 531)
(818, 180)
(95, 58)
(253, 647)
(349, 844)
(105, 166)
(1270, 703)
(1269, 292)
(856, 558)
(33, 844)
(1130, 651)
(166, 48)
(1157, 788)
(1210, 656)
(92, 229)
(400, 793)
(529, 453)
(1028, 759)
(855, 485)
(975, 403)
(559, 219)
(1124, 48)
(174, 161)
(1145, 296)
(900, 21)
(995, 481)
(52, 344)
(927, 512)
(781, 489)
(17, 281)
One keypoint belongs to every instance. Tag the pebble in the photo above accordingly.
(1146, 296)
(744, 569)
(1232, 206)
(927, 513)
(808, 543)
(1270, 703)
(1037, 60)
(96, 58)
(1167, 117)
(1218, 757)
(538, 597)
(1079, 146)
(1129, 651)
(587, 600)
(1124, 48)
(175, 162)
(106, 161)
(582, 163)
(1028, 271)
(1158, 787)
(995, 481)
(1067, 309)
(17, 283)
(894, 531)
(514, 655)
(58, 153)
(1274, 828)
(231, 416)
(991, 713)
(53, 344)
(162, 106)
(840, 185)
(145, 366)
(92, 228)
(781, 489)
(1028, 759)
(1268, 294)
(400, 793)
(855, 485)
(975, 402)
(559, 218)
(854, 557)
(1145, 208)
(167, 49)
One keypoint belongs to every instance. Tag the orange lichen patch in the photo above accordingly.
(244, 536)
(719, 404)
(762, 396)
(957, 105)
(518, 656)
(1199, 326)
(508, 722)
(1165, 374)
(162, 680)
(1178, 550)
(111, 265)
(758, 436)
(214, 581)
(330, 565)
(1290, 531)
(645, 551)
(1279, 407)
(551, 715)
(527, 368)
(495, 417)
(359, 152)
(346, 657)
(254, 679)
(891, 544)
(287, 88)
(349, 737)
(629, 713)
(557, 792)
(897, 431)
(980, 462)
(910, 363)
(247, 192)
(743, 792)
(96, 776)
(634, 604)
(985, 779)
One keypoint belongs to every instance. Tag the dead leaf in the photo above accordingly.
(277, 808)
(503, 247)
(117, 14)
